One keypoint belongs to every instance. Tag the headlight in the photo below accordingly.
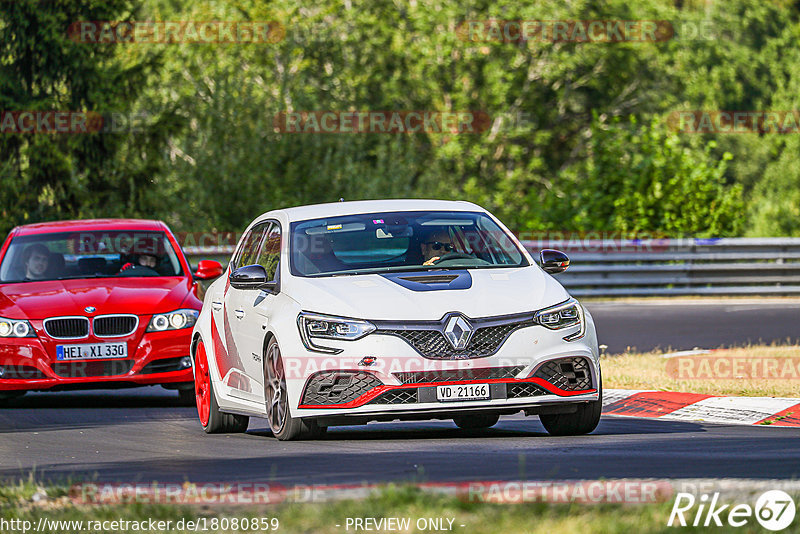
(16, 328)
(564, 315)
(173, 320)
(314, 326)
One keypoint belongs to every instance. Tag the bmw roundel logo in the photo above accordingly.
(90, 309)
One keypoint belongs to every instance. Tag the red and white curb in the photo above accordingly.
(772, 411)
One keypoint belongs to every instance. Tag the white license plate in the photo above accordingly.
(462, 392)
(92, 351)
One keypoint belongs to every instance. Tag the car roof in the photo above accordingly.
(84, 225)
(334, 209)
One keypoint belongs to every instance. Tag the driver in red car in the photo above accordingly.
(36, 259)
(435, 245)
(145, 257)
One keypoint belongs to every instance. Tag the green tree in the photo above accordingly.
(51, 176)
(643, 178)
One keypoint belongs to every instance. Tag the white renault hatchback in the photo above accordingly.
(351, 312)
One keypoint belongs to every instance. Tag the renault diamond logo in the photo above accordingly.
(458, 331)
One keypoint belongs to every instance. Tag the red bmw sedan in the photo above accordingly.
(97, 304)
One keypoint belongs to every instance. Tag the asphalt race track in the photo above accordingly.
(683, 325)
(142, 435)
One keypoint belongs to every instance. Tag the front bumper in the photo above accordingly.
(153, 358)
(404, 385)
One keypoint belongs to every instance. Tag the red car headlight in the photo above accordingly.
(175, 320)
(16, 328)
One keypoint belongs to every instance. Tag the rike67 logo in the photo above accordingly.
(774, 510)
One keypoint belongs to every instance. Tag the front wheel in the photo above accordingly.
(283, 425)
(213, 421)
(582, 421)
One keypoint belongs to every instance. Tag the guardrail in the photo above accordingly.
(659, 267)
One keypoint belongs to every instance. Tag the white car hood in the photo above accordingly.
(493, 292)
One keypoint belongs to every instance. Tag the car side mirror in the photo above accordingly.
(252, 277)
(554, 261)
(208, 269)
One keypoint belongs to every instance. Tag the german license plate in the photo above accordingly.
(462, 392)
(91, 351)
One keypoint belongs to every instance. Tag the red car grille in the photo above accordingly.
(84, 369)
(114, 325)
(67, 327)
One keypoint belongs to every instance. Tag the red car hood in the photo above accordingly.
(141, 296)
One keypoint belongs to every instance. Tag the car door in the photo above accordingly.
(252, 310)
(227, 314)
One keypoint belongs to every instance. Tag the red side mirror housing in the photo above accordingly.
(208, 269)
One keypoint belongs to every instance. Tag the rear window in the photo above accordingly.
(92, 254)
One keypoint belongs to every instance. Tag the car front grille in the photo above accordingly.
(430, 342)
(568, 374)
(20, 372)
(338, 387)
(523, 389)
(67, 327)
(114, 325)
(84, 369)
(164, 365)
(397, 396)
(489, 373)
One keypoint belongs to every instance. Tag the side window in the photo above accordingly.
(270, 253)
(247, 254)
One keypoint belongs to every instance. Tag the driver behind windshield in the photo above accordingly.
(435, 245)
(36, 258)
(146, 261)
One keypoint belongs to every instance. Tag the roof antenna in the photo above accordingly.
(341, 200)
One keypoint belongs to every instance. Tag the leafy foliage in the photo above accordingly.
(555, 155)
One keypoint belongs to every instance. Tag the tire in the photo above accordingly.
(583, 421)
(283, 426)
(212, 420)
(476, 421)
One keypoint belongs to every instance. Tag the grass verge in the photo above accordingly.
(754, 371)
(20, 503)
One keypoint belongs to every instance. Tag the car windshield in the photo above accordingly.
(398, 241)
(90, 254)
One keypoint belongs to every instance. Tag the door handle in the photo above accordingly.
(216, 305)
(239, 314)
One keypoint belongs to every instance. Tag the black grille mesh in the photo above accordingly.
(115, 325)
(92, 368)
(20, 372)
(515, 391)
(489, 373)
(397, 396)
(433, 345)
(338, 387)
(164, 365)
(569, 374)
(67, 327)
